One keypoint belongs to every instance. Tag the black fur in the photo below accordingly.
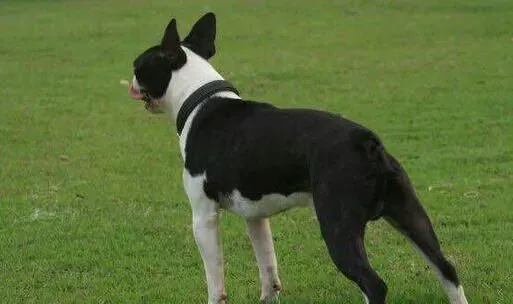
(260, 149)
(153, 68)
(202, 36)
(405, 213)
(153, 71)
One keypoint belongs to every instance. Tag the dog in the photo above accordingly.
(257, 160)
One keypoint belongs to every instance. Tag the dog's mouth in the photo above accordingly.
(149, 103)
(138, 94)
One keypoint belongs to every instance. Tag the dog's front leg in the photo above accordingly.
(259, 230)
(206, 233)
(205, 218)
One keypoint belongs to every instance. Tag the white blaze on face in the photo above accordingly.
(135, 83)
(134, 89)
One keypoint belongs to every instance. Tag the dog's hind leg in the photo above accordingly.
(259, 231)
(342, 219)
(404, 211)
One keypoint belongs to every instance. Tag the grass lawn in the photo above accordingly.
(92, 208)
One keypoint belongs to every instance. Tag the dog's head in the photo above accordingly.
(154, 68)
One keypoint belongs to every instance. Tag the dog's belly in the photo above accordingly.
(268, 205)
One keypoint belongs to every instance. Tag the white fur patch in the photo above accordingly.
(270, 204)
(455, 293)
(365, 298)
(205, 219)
(135, 84)
(195, 73)
(261, 237)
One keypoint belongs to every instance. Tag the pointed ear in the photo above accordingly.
(171, 40)
(201, 38)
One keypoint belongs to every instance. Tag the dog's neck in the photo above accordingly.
(194, 74)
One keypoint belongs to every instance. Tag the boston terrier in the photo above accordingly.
(257, 160)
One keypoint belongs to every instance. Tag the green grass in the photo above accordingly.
(103, 176)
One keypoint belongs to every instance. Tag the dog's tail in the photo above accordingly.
(397, 202)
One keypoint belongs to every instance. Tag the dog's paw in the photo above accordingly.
(222, 299)
(274, 300)
(272, 296)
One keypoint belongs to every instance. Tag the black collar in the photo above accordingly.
(204, 92)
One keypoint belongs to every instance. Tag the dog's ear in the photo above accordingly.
(201, 38)
(171, 41)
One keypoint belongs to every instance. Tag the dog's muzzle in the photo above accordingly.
(149, 103)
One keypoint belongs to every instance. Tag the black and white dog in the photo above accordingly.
(257, 160)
